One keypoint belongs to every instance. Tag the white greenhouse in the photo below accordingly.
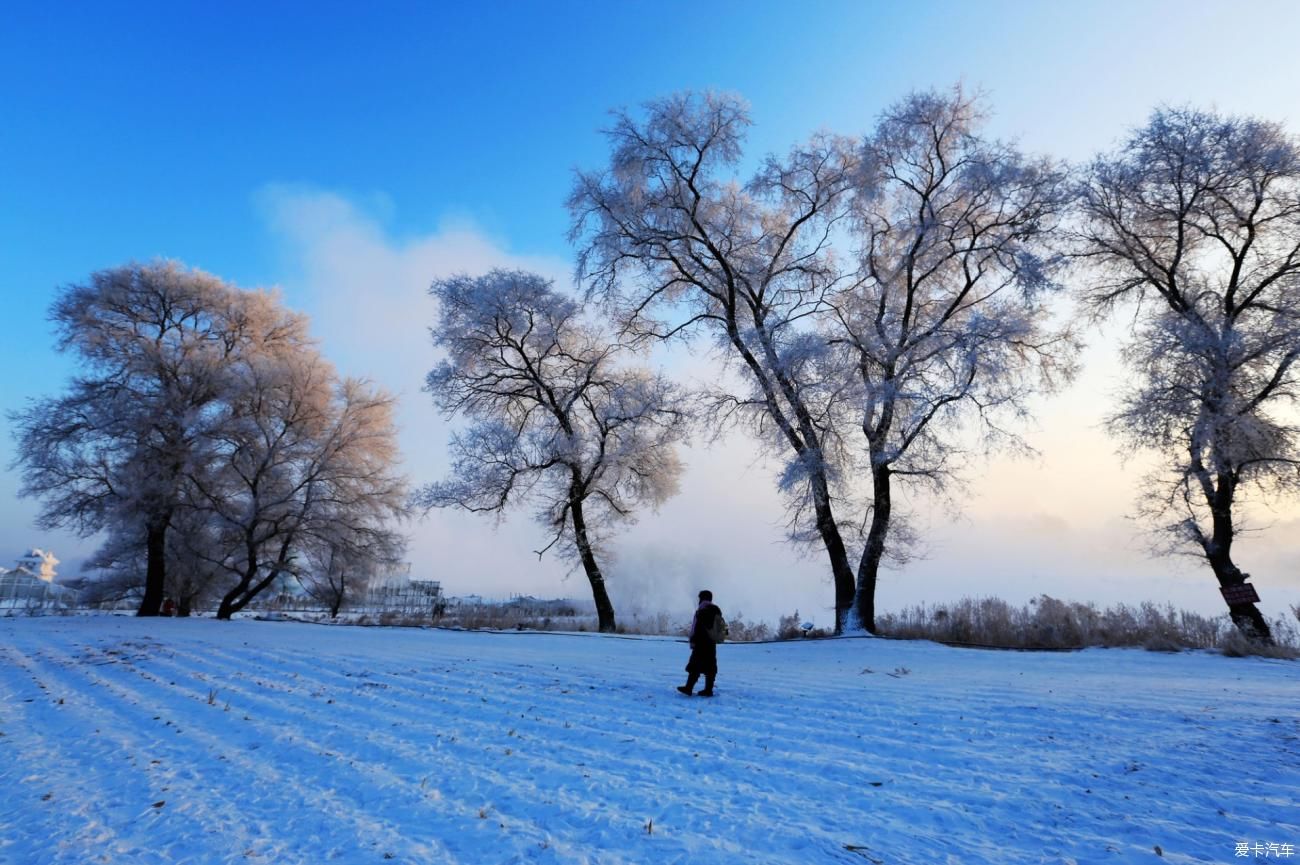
(30, 585)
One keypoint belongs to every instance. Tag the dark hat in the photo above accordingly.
(706, 595)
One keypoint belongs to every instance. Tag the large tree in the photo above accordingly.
(944, 327)
(1195, 222)
(301, 460)
(347, 539)
(676, 246)
(152, 342)
(927, 313)
(339, 567)
(205, 435)
(552, 417)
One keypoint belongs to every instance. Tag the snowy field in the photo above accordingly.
(167, 741)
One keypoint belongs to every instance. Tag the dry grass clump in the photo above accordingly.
(515, 617)
(741, 631)
(650, 624)
(1049, 623)
(1234, 645)
(660, 624)
(386, 619)
(1286, 636)
(519, 614)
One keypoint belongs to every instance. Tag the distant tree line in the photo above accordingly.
(875, 305)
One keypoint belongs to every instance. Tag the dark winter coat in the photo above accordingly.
(704, 652)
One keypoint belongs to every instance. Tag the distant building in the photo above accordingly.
(30, 585)
(408, 596)
(394, 592)
(39, 562)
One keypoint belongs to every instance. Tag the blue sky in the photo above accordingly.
(351, 153)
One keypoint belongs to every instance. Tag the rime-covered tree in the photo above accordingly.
(676, 246)
(944, 329)
(552, 418)
(152, 342)
(300, 459)
(205, 435)
(1194, 224)
(337, 571)
(347, 540)
(939, 321)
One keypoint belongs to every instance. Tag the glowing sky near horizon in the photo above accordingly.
(350, 157)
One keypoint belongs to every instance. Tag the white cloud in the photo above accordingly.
(368, 292)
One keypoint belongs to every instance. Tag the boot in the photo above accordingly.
(690, 684)
(708, 687)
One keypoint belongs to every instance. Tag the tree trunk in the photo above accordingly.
(336, 591)
(874, 552)
(801, 433)
(185, 598)
(240, 596)
(835, 551)
(1247, 617)
(155, 575)
(227, 607)
(604, 608)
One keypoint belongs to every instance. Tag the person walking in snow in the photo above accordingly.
(708, 628)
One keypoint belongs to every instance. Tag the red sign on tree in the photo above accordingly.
(1242, 593)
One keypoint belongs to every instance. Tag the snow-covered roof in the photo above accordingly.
(39, 562)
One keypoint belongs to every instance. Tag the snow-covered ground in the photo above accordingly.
(167, 741)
